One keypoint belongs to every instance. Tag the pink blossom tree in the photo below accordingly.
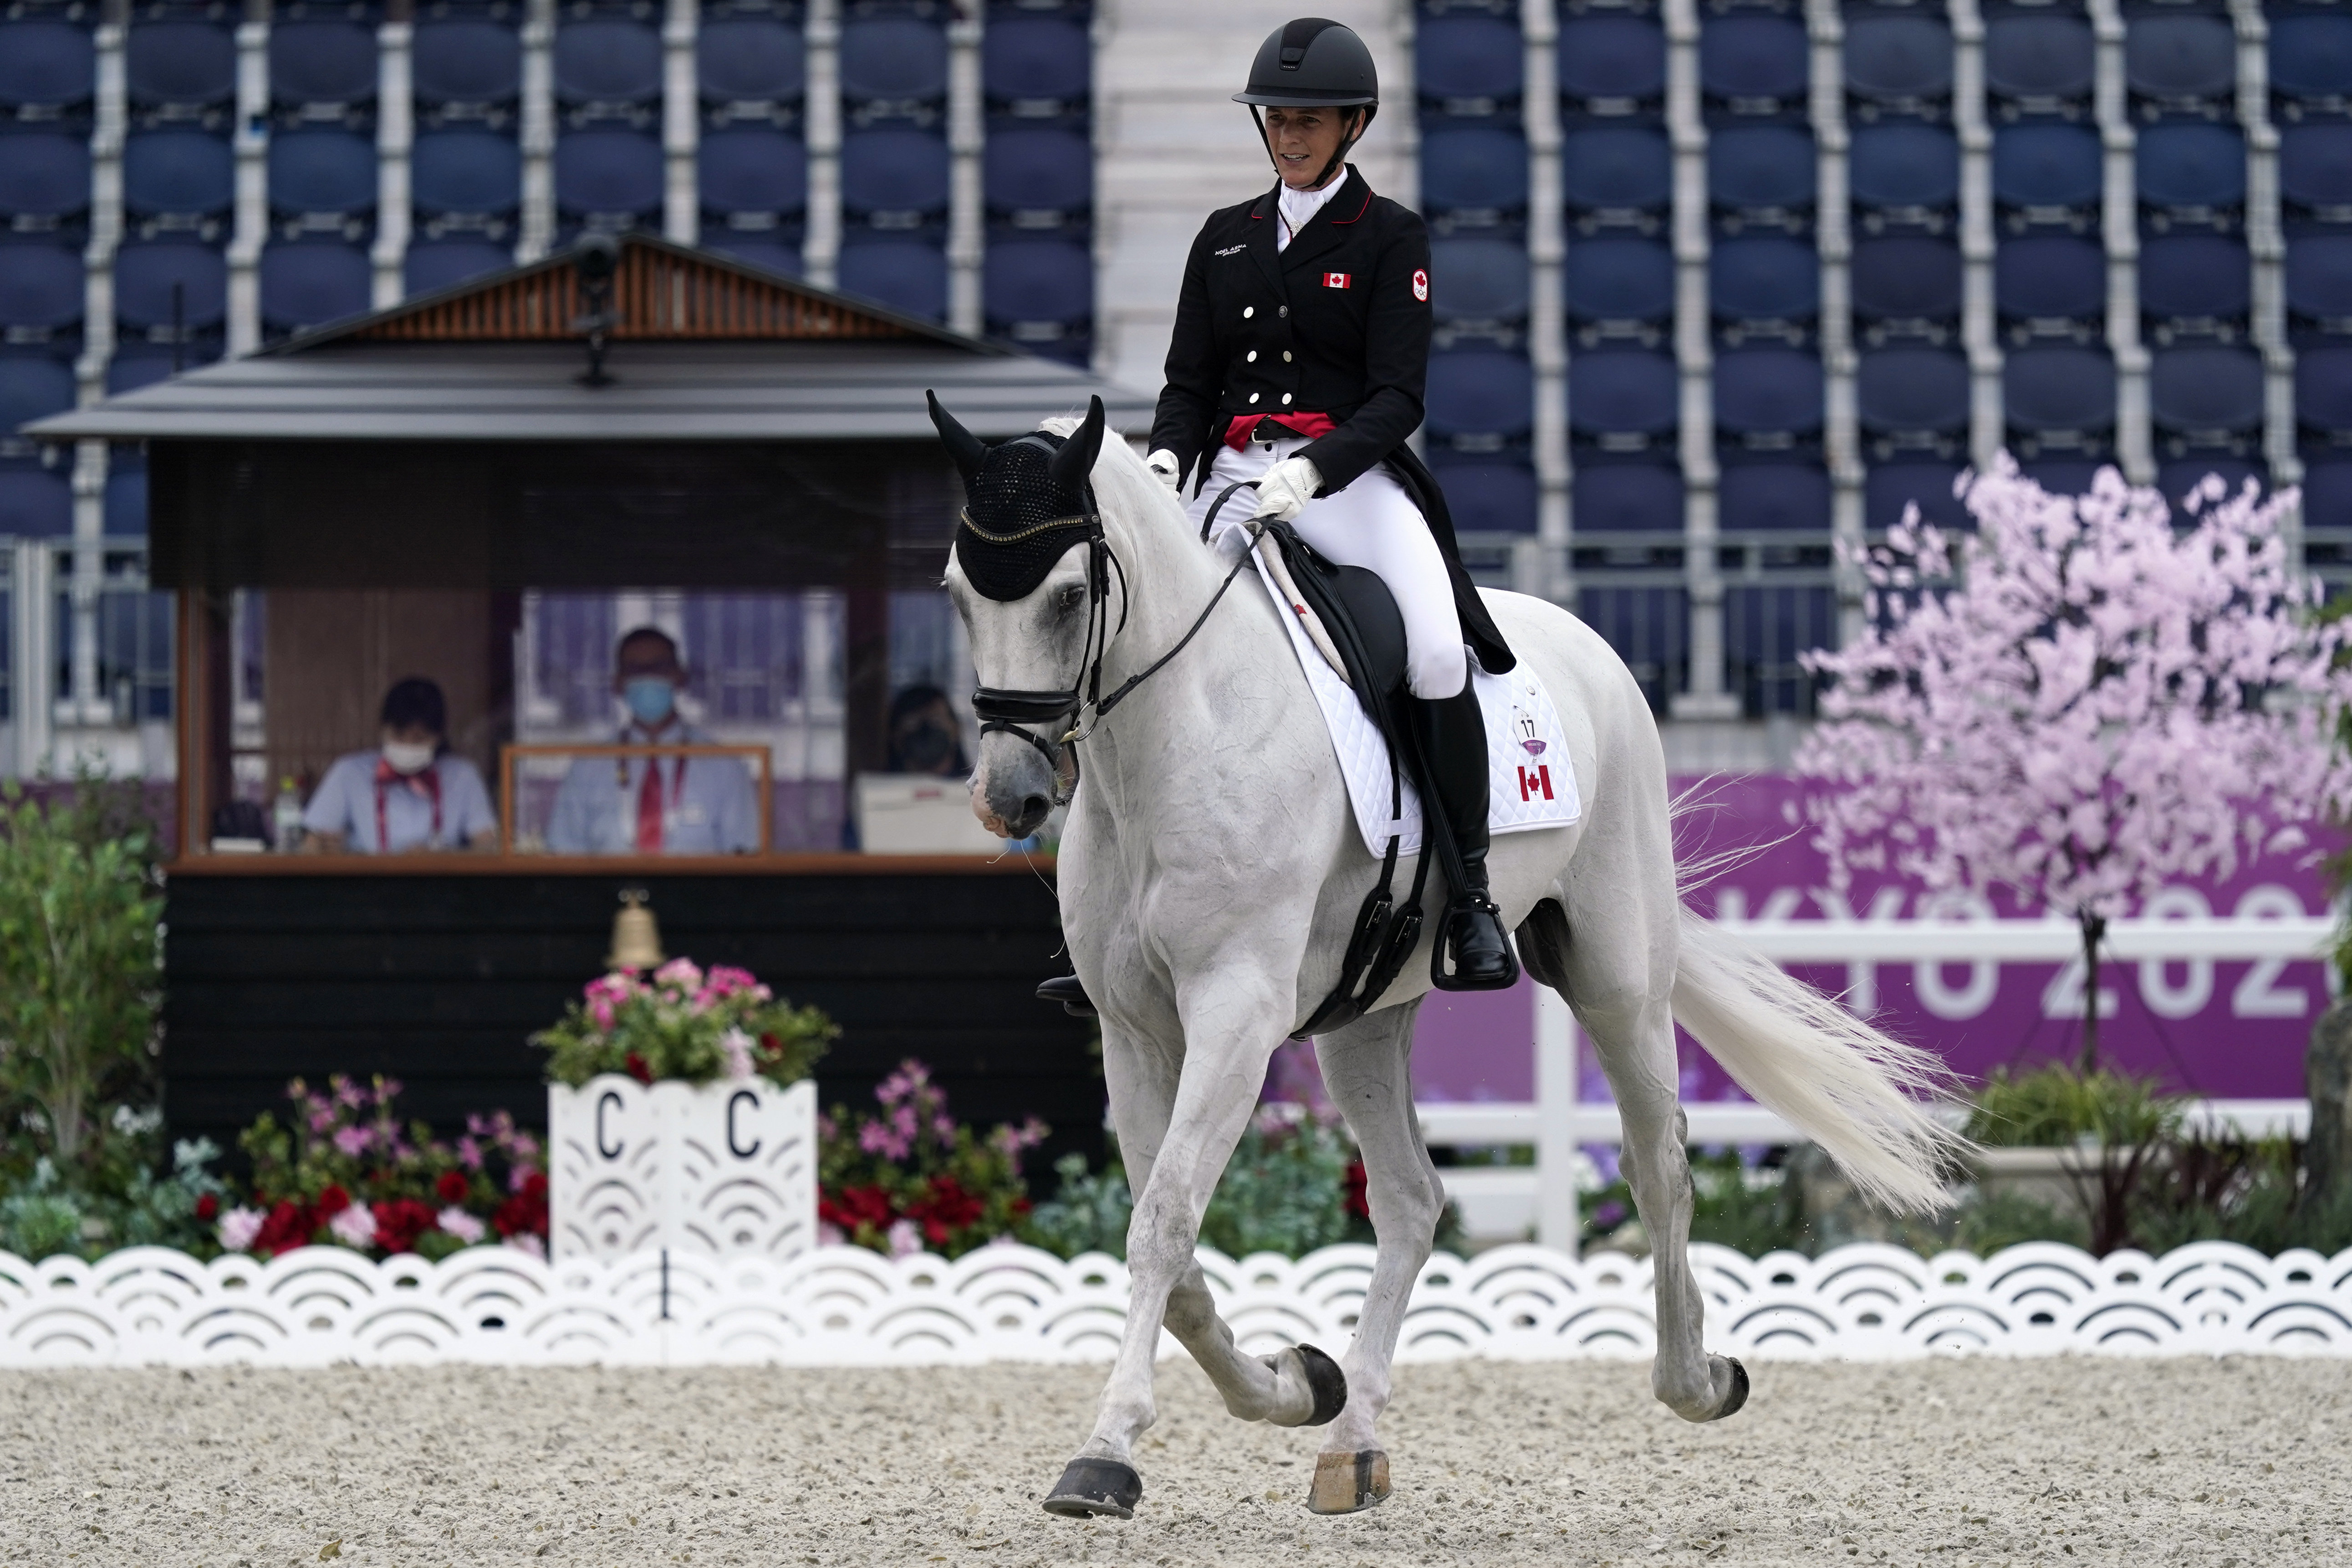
(2081, 701)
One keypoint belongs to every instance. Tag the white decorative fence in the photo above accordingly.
(842, 1307)
(725, 1168)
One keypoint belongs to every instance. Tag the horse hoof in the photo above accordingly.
(1094, 1487)
(1739, 1395)
(1325, 1383)
(1348, 1483)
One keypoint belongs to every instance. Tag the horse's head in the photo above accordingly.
(1028, 574)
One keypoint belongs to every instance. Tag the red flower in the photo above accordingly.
(525, 1214)
(452, 1188)
(945, 1207)
(332, 1202)
(850, 1208)
(207, 1208)
(772, 1045)
(1357, 1204)
(400, 1222)
(637, 1069)
(290, 1225)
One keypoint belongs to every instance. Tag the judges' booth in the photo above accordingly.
(641, 562)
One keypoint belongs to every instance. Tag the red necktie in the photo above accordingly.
(650, 809)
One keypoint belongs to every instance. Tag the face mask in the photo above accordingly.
(926, 748)
(409, 757)
(649, 697)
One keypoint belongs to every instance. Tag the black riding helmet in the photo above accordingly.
(1313, 63)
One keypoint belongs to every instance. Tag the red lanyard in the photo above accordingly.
(427, 784)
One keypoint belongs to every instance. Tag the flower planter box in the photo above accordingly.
(2044, 1174)
(727, 1168)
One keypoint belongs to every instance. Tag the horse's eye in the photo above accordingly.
(1072, 598)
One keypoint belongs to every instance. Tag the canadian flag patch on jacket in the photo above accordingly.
(1335, 279)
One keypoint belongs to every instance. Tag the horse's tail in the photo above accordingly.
(1852, 1089)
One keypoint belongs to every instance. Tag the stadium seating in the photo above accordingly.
(1477, 285)
(2328, 494)
(2063, 476)
(2192, 169)
(895, 178)
(2319, 281)
(2205, 391)
(1489, 497)
(1479, 400)
(1649, 629)
(1619, 283)
(2181, 61)
(1038, 177)
(2059, 390)
(2315, 170)
(1468, 66)
(469, 64)
(1628, 497)
(44, 177)
(180, 70)
(433, 265)
(1612, 63)
(1038, 292)
(463, 178)
(126, 503)
(904, 274)
(1912, 392)
(322, 70)
(1894, 59)
(2049, 168)
(1766, 396)
(893, 66)
(1758, 496)
(146, 277)
(320, 178)
(41, 291)
(33, 385)
(135, 365)
(306, 283)
(611, 177)
(1906, 280)
(1764, 630)
(2040, 60)
(1623, 398)
(774, 255)
(750, 67)
(2176, 479)
(607, 68)
(2195, 280)
(1905, 167)
(1890, 486)
(2323, 391)
(1762, 168)
(2311, 60)
(2053, 280)
(176, 172)
(46, 67)
(752, 177)
(1476, 176)
(1764, 279)
(1754, 62)
(34, 503)
(1037, 68)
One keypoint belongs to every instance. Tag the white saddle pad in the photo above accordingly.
(1531, 782)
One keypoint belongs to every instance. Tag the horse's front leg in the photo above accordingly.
(1232, 1024)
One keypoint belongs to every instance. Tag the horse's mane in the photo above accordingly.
(1127, 492)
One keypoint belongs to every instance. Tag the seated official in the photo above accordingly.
(655, 805)
(410, 794)
(924, 735)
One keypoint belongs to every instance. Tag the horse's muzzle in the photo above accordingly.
(1013, 791)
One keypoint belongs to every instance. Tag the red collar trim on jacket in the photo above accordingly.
(1359, 211)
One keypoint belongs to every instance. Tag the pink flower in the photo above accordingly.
(521, 1145)
(943, 1127)
(601, 1009)
(321, 1119)
(462, 1226)
(829, 1235)
(683, 973)
(347, 1092)
(238, 1228)
(354, 1226)
(353, 1140)
(905, 1238)
(470, 1153)
(736, 1045)
(876, 1138)
(529, 1242)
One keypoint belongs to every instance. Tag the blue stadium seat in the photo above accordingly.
(1767, 392)
(436, 264)
(2328, 495)
(1905, 165)
(182, 65)
(607, 62)
(2176, 479)
(1475, 169)
(1650, 630)
(1628, 497)
(1480, 398)
(2046, 165)
(32, 386)
(608, 172)
(306, 283)
(1623, 393)
(146, 275)
(1758, 59)
(1037, 291)
(753, 170)
(1468, 65)
(2205, 387)
(906, 275)
(1476, 282)
(1613, 60)
(2059, 388)
(751, 59)
(1893, 58)
(774, 255)
(898, 61)
(2041, 59)
(40, 288)
(2323, 389)
(2320, 279)
(46, 66)
(2193, 277)
(179, 172)
(1489, 497)
(135, 365)
(2311, 56)
(1889, 487)
(2315, 169)
(1758, 167)
(1764, 629)
(44, 174)
(1912, 391)
(2180, 59)
(2195, 166)
(321, 171)
(323, 64)
(899, 176)
(1627, 281)
(2050, 278)
(473, 174)
(36, 503)
(2064, 476)
(1763, 278)
(465, 61)
(1036, 66)
(126, 503)
(1038, 177)
(1906, 277)
(1759, 496)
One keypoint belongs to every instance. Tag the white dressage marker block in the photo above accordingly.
(727, 1169)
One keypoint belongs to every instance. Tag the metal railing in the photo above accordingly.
(60, 709)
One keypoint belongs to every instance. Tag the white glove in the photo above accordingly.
(1165, 468)
(1287, 488)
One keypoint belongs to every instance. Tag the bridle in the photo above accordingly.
(1011, 711)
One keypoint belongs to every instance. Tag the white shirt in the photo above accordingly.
(347, 800)
(1297, 206)
(715, 810)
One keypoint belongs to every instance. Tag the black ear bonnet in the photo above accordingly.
(1026, 501)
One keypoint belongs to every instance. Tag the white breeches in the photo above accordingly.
(1372, 524)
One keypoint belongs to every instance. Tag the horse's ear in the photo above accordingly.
(965, 448)
(1075, 463)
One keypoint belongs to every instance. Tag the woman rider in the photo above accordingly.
(1300, 349)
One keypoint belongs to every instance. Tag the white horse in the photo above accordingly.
(1209, 875)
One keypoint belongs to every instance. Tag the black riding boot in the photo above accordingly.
(1070, 992)
(1451, 735)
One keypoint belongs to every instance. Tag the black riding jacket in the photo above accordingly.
(1337, 323)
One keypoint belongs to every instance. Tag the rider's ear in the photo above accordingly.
(1075, 461)
(965, 448)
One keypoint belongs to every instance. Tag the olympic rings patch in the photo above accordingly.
(1420, 285)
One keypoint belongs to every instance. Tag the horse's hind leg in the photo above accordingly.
(1367, 1068)
(1618, 975)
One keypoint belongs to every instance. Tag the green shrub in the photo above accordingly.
(1751, 1209)
(1991, 1221)
(2056, 1105)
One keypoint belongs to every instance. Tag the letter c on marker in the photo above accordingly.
(604, 1102)
(734, 1100)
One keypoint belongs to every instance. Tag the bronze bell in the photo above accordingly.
(636, 939)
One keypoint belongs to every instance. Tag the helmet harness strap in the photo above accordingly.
(1331, 165)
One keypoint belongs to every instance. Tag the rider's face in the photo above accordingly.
(1303, 141)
